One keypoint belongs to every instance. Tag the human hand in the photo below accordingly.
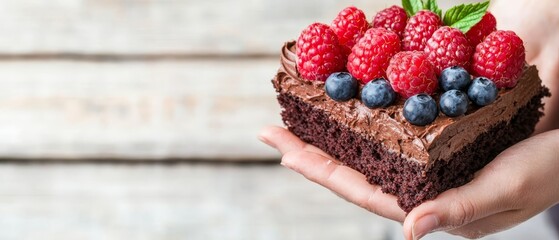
(514, 187)
(517, 185)
(323, 169)
(536, 22)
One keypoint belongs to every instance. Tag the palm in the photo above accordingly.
(494, 200)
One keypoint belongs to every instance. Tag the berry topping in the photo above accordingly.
(341, 86)
(448, 47)
(419, 29)
(411, 73)
(370, 56)
(454, 78)
(420, 110)
(482, 29)
(482, 92)
(350, 25)
(500, 57)
(454, 103)
(318, 53)
(413, 51)
(378, 93)
(393, 18)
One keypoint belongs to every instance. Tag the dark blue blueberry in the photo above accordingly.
(455, 78)
(454, 103)
(420, 109)
(378, 93)
(483, 91)
(341, 86)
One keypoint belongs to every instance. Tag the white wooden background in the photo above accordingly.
(160, 79)
(143, 79)
(191, 202)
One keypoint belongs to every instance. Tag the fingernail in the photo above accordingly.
(424, 225)
(285, 162)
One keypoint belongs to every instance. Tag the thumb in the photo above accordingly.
(498, 187)
(454, 208)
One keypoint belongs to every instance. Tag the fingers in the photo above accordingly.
(279, 138)
(497, 188)
(492, 224)
(459, 206)
(284, 141)
(321, 168)
(346, 182)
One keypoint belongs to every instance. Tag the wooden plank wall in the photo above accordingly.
(145, 79)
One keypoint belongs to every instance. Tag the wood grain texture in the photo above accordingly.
(190, 27)
(209, 109)
(193, 202)
(183, 27)
(143, 79)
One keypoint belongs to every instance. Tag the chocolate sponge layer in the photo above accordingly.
(410, 181)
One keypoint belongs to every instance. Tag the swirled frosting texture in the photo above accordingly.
(425, 145)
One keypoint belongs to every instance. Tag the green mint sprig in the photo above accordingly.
(465, 16)
(412, 6)
(433, 7)
(462, 17)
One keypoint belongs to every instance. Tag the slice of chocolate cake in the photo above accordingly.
(414, 163)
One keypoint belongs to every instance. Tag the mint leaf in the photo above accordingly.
(412, 6)
(465, 16)
(432, 6)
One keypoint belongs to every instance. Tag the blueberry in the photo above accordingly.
(483, 91)
(341, 86)
(455, 78)
(420, 109)
(378, 93)
(454, 103)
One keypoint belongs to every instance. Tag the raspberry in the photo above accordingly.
(370, 56)
(500, 57)
(412, 73)
(419, 29)
(319, 53)
(350, 25)
(393, 18)
(448, 47)
(478, 32)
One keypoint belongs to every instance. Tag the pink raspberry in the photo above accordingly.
(500, 57)
(393, 18)
(482, 29)
(419, 29)
(319, 53)
(370, 56)
(412, 73)
(350, 25)
(448, 47)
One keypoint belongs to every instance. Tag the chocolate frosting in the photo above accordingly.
(436, 141)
